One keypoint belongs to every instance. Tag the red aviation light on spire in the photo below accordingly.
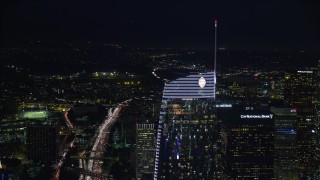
(215, 23)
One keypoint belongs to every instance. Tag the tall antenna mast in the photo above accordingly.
(215, 58)
(215, 130)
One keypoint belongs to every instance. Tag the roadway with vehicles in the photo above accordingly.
(94, 166)
(102, 138)
(68, 146)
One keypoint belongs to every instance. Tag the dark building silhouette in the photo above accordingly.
(243, 88)
(42, 143)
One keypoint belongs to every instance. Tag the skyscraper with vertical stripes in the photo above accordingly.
(145, 144)
(185, 144)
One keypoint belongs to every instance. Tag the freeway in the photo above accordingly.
(98, 141)
(68, 122)
(68, 147)
(102, 138)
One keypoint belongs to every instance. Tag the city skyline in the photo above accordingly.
(140, 90)
(82, 102)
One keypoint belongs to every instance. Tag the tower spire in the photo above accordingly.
(215, 53)
(215, 44)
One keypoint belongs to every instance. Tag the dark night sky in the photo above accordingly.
(242, 24)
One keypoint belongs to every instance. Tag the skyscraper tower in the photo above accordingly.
(247, 144)
(285, 143)
(145, 150)
(317, 107)
(300, 93)
(186, 138)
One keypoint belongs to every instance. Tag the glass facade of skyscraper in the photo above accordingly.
(300, 93)
(247, 144)
(285, 143)
(185, 135)
(145, 143)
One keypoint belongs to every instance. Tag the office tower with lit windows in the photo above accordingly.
(42, 146)
(300, 93)
(317, 107)
(247, 138)
(186, 136)
(145, 151)
(243, 88)
(285, 143)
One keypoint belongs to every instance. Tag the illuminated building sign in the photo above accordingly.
(305, 72)
(224, 105)
(287, 131)
(262, 116)
(202, 82)
(194, 86)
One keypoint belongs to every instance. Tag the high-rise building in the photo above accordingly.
(243, 88)
(247, 138)
(285, 143)
(300, 93)
(42, 143)
(317, 107)
(186, 146)
(145, 151)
